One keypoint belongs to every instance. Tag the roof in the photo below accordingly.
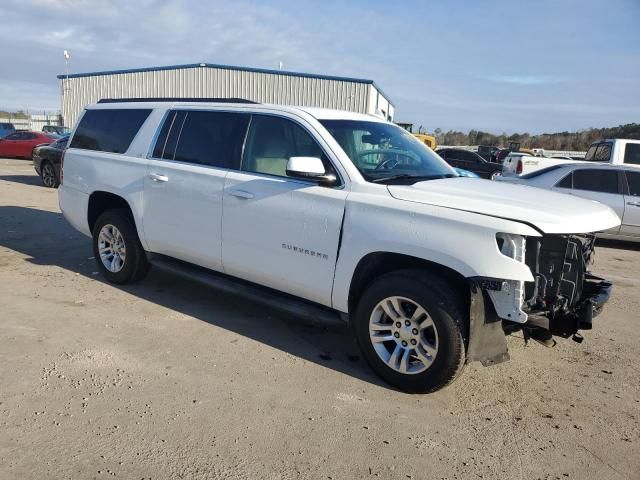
(226, 67)
(317, 113)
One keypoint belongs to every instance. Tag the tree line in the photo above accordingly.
(572, 141)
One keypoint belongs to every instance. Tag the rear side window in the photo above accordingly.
(632, 153)
(603, 153)
(203, 137)
(633, 180)
(604, 181)
(108, 130)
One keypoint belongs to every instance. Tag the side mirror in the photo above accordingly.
(309, 168)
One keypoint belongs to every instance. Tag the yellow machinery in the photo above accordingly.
(428, 140)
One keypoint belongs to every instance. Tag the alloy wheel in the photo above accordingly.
(112, 248)
(403, 335)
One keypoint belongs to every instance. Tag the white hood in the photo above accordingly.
(549, 211)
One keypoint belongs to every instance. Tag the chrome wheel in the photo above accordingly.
(403, 335)
(48, 175)
(112, 249)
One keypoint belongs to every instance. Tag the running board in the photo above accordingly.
(268, 297)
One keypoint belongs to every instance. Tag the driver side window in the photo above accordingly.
(272, 141)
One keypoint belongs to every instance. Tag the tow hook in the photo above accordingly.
(543, 337)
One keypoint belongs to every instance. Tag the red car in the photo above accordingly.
(21, 144)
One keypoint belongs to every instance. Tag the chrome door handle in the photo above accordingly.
(241, 194)
(156, 177)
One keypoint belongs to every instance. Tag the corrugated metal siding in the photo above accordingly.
(214, 82)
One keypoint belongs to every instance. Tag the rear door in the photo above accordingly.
(279, 231)
(602, 185)
(631, 218)
(185, 179)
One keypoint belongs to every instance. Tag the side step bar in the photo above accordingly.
(268, 297)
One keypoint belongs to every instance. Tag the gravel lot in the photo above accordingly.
(168, 379)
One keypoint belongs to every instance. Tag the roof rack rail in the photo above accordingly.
(175, 99)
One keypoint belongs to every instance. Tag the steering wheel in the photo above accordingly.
(384, 164)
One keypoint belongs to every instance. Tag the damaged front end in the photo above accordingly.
(564, 296)
(562, 299)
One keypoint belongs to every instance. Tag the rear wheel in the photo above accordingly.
(410, 327)
(495, 174)
(48, 175)
(117, 248)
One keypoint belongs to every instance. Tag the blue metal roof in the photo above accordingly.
(227, 67)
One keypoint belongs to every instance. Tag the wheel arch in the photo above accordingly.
(375, 264)
(100, 201)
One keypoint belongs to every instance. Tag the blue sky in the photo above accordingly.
(512, 66)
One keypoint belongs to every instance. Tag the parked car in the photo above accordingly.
(617, 186)
(616, 151)
(468, 160)
(47, 161)
(518, 163)
(334, 214)
(57, 129)
(21, 143)
(6, 128)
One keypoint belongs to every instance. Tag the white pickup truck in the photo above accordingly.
(331, 213)
(613, 151)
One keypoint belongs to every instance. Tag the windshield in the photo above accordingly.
(384, 152)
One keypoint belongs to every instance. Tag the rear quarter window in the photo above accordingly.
(632, 153)
(108, 130)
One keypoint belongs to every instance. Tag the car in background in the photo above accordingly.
(468, 160)
(21, 143)
(520, 163)
(465, 173)
(56, 129)
(47, 160)
(617, 186)
(6, 128)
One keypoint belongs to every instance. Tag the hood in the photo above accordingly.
(549, 211)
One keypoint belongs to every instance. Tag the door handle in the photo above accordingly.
(634, 204)
(156, 177)
(241, 194)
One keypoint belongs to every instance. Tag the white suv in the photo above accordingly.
(346, 213)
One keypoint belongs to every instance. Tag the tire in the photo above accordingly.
(132, 265)
(444, 315)
(495, 175)
(48, 175)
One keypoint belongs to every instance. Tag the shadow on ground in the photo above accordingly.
(619, 244)
(24, 179)
(47, 239)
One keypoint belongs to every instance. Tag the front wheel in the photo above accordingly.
(117, 248)
(410, 327)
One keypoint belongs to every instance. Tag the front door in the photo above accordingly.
(278, 231)
(184, 184)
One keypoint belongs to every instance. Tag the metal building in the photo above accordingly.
(206, 80)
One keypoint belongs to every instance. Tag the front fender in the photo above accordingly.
(462, 241)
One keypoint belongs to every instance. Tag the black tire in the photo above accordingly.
(135, 265)
(447, 311)
(55, 183)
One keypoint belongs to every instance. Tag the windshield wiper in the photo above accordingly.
(417, 178)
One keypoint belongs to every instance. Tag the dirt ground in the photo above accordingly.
(169, 379)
